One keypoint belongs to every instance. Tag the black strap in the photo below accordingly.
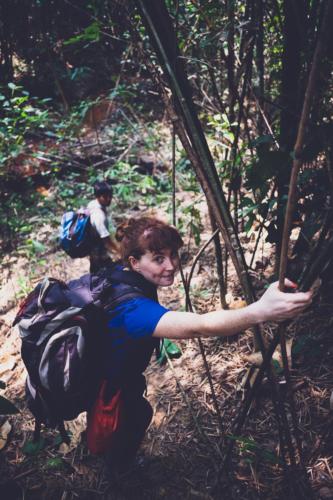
(134, 279)
(120, 293)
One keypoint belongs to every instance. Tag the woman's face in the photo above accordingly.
(157, 267)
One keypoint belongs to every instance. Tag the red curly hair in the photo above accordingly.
(142, 234)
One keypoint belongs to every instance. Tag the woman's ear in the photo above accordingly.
(134, 263)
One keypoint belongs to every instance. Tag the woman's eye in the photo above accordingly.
(159, 260)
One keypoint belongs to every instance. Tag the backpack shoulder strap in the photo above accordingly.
(121, 293)
(128, 285)
(136, 280)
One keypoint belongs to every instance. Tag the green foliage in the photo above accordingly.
(248, 210)
(268, 165)
(189, 222)
(21, 114)
(55, 463)
(32, 448)
(221, 129)
(277, 367)
(24, 211)
(91, 33)
(132, 186)
(57, 441)
(33, 248)
(253, 451)
(258, 176)
(12, 209)
(169, 350)
(24, 287)
(68, 127)
(89, 45)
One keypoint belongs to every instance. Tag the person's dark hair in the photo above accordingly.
(102, 187)
(139, 235)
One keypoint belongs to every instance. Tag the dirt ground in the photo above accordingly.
(183, 451)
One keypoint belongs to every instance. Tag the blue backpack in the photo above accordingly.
(77, 237)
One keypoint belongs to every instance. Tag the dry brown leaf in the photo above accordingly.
(237, 304)
(81, 469)
(64, 448)
(43, 191)
(75, 428)
(289, 343)
(159, 418)
(254, 376)
(4, 433)
(7, 363)
(250, 376)
(256, 357)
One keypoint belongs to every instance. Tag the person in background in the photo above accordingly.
(99, 218)
(149, 250)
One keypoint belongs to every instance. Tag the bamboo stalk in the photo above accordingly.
(201, 156)
(292, 198)
(189, 307)
(297, 163)
(173, 160)
(198, 255)
(219, 263)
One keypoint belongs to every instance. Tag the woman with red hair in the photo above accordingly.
(149, 250)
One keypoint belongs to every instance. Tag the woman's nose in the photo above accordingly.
(170, 264)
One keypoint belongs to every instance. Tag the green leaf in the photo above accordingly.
(33, 447)
(90, 33)
(246, 202)
(6, 407)
(57, 440)
(248, 224)
(55, 463)
(277, 366)
(169, 349)
(37, 246)
(300, 344)
(270, 457)
(248, 210)
(269, 164)
(247, 444)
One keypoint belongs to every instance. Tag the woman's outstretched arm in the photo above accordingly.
(274, 305)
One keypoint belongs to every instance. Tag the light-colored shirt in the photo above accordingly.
(99, 218)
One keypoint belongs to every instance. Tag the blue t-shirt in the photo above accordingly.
(129, 341)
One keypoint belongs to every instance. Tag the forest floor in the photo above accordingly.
(182, 453)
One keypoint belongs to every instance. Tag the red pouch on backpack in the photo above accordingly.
(103, 421)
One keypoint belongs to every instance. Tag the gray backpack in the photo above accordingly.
(61, 327)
